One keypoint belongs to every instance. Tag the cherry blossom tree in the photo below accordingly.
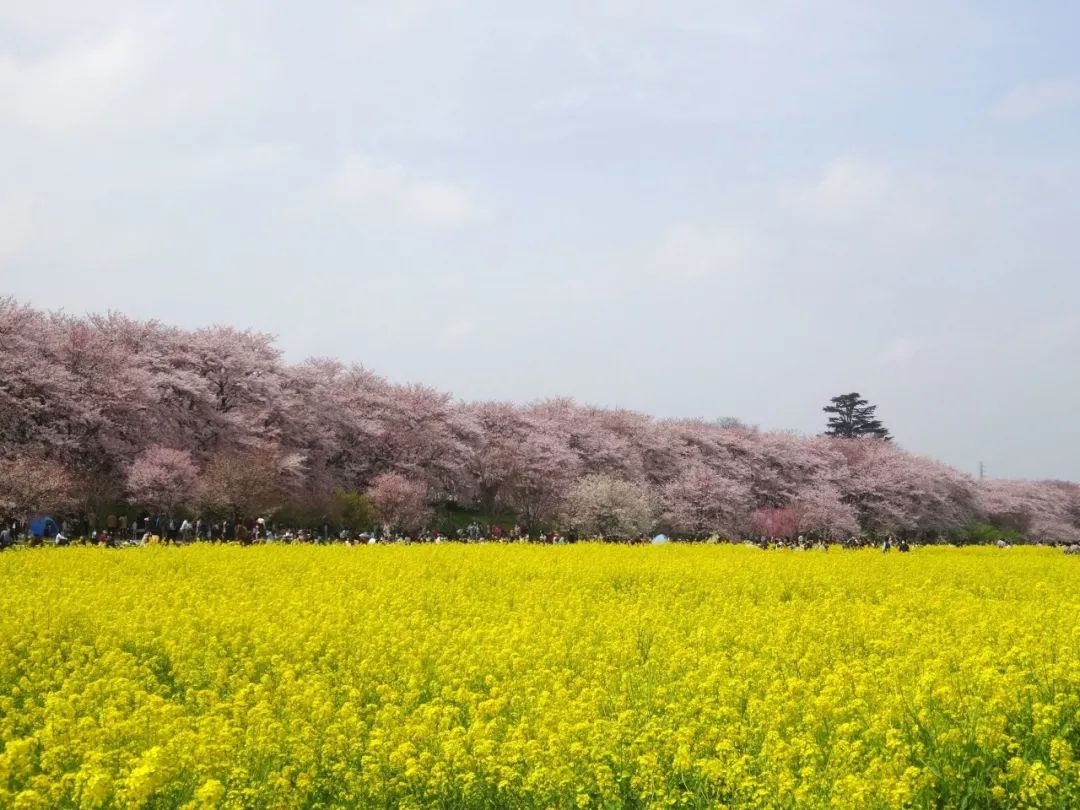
(248, 482)
(604, 506)
(184, 408)
(110, 390)
(339, 423)
(1047, 511)
(424, 437)
(540, 467)
(32, 484)
(495, 454)
(35, 391)
(775, 522)
(821, 511)
(100, 395)
(701, 501)
(243, 372)
(164, 479)
(402, 502)
(894, 491)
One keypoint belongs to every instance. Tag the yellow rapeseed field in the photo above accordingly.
(512, 676)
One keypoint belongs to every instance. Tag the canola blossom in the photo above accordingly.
(517, 676)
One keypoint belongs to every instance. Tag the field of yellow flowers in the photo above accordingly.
(510, 676)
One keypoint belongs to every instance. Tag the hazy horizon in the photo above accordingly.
(691, 211)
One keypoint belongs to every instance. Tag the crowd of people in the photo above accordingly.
(150, 529)
(119, 530)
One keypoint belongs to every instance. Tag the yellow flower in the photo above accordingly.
(210, 793)
(536, 677)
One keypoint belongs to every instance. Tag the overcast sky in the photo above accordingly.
(701, 209)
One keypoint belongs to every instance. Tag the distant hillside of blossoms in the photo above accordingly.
(105, 409)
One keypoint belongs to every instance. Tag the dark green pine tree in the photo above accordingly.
(853, 418)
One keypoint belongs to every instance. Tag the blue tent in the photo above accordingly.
(43, 526)
(660, 538)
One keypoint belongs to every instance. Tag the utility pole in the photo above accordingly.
(982, 471)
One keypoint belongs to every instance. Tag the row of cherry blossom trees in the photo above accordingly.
(104, 409)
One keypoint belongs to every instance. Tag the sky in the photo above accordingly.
(691, 209)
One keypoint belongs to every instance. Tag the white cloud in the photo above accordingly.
(71, 87)
(682, 258)
(198, 167)
(692, 252)
(1038, 98)
(382, 189)
(848, 188)
(16, 221)
(1060, 329)
(453, 334)
(900, 350)
(566, 100)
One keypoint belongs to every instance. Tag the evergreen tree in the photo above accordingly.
(853, 418)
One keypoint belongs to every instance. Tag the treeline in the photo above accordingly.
(101, 410)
